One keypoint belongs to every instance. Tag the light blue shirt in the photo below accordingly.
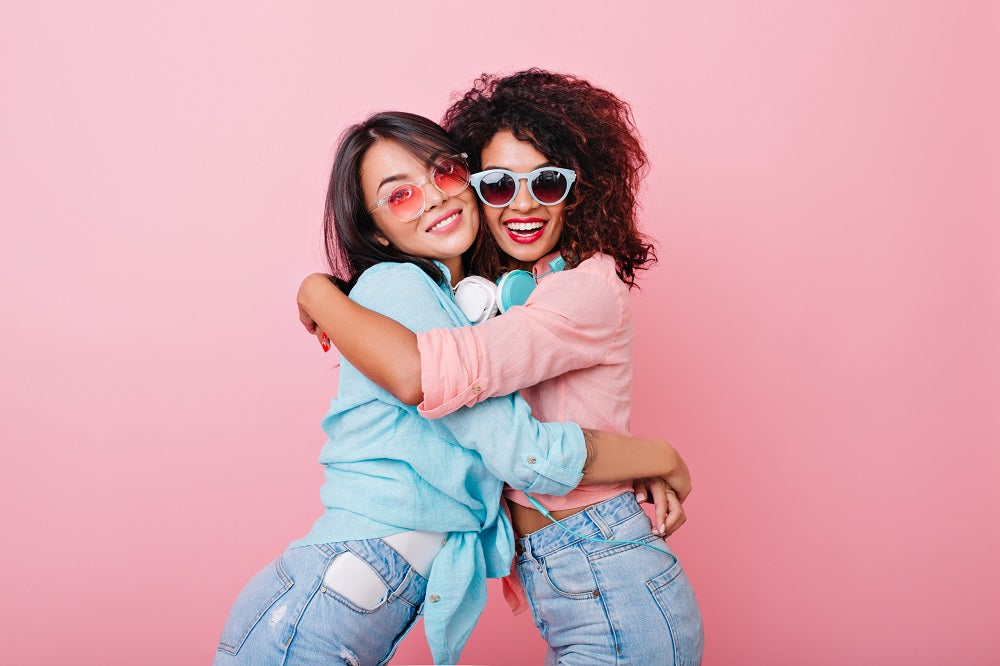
(388, 470)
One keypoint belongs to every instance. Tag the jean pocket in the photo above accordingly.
(263, 590)
(353, 582)
(569, 573)
(674, 595)
(619, 546)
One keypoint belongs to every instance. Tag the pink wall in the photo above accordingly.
(819, 338)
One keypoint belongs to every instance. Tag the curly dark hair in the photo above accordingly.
(575, 125)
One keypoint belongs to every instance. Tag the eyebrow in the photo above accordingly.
(540, 166)
(389, 179)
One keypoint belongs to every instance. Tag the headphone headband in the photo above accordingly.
(480, 299)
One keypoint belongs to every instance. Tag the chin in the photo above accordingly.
(532, 252)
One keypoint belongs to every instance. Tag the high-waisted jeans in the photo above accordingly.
(289, 614)
(601, 603)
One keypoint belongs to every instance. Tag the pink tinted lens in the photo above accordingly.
(548, 187)
(405, 201)
(451, 176)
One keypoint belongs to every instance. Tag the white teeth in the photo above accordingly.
(525, 226)
(447, 220)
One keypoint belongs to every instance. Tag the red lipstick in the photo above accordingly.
(525, 230)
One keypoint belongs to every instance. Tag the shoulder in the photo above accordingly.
(388, 271)
(596, 275)
(406, 293)
(388, 286)
(592, 291)
(391, 280)
(602, 266)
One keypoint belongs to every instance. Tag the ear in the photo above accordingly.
(383, 241)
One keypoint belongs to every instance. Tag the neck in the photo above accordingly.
(454, 266)
(522, 265)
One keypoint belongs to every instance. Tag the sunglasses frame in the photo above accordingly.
(477, 178)
(463, 157)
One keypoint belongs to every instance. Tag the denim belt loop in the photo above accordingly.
(593, 513)
(526, 551)
(401, 588)
(526, 548)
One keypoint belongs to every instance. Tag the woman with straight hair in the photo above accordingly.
(557, 165)
(412, 520)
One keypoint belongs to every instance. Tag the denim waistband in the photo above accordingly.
(598, 521)
(399, 576)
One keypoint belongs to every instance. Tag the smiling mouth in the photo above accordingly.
(525, 231)
(443, 224)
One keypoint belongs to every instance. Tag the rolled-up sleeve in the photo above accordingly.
(568, 323)
(536, 457)
(546, 458)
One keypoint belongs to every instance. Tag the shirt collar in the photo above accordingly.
(541, 266)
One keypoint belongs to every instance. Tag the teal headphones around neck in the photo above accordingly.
(481, 299)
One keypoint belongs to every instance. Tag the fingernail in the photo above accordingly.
(663, 528)
(324, 342)
(640, 496)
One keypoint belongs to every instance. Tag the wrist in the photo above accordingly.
(591, 446)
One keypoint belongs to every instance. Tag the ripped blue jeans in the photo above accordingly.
(288, 615)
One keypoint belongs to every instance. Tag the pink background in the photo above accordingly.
(819, 338)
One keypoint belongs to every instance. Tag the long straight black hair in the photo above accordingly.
(352, 244)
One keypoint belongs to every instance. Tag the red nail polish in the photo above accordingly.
(324, 342)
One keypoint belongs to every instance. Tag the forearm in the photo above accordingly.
(522, 348)
(546, 458)
(381, 348)
(612, 458)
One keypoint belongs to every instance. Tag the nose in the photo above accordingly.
(433, 197)
(523, 201)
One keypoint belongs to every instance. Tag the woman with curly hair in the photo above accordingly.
(412, 521)
(557, 164)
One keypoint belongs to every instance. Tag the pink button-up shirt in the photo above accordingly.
(568, 350)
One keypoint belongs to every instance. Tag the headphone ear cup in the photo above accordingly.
(477, 297)
(514, 288)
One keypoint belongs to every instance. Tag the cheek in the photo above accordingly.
(493, 221)
(556, 217)
(398, 235)
(475, 218)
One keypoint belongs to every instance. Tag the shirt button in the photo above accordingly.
(531, 460)
(476, 388)
(434, 598)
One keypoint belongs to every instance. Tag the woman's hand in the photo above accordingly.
(313, 328)
(668, 514)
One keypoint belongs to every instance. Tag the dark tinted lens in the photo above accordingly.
(548, 186)
(497, 189)
(405, 201)
(451, 176)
